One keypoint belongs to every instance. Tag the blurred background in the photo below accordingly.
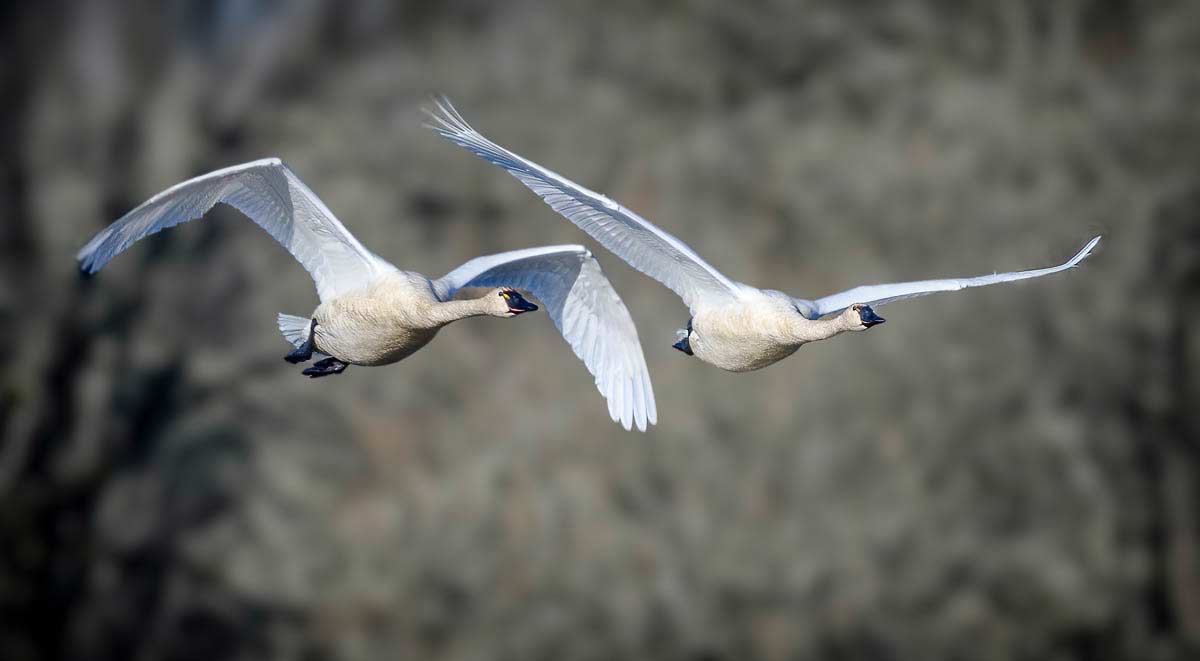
(1008, 473)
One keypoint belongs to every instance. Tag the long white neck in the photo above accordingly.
(805, 330)
(442, 313)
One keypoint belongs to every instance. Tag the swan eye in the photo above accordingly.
(505, 295)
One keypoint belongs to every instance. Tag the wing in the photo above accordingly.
(584, 308)
(629, 236)
(272, 196)
(875, 295)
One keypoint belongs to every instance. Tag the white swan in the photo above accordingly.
(733, 326)
(372, 313)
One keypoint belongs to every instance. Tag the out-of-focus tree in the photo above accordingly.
(1009, 473)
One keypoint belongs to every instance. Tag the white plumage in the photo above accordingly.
(883, 294)
(734, 326)
(271, 195)
(372, 313)
(585, 309)
(629, 236)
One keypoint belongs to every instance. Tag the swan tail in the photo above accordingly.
(295, 329)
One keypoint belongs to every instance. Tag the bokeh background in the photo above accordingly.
(1007, 473)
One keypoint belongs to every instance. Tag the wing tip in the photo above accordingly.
(580, 250)
(269, 161)
(651, 404)
(89, 258)
(1086, 251)
(446, 118)
(649, 419)
(642, 417)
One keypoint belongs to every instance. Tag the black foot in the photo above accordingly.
(325, 368)
(301, 355)
(304, 352)
(684, 346)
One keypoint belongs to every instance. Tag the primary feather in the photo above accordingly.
(876, 295)
(639, 242)
(585, 309)
(271, 195)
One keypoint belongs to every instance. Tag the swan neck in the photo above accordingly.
(813, 330)
(445, 312)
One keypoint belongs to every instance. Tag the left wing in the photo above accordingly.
(643, 245)
(584, 308)
(875, 295)
(272, 196)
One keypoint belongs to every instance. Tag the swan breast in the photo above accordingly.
(744, 335)
(379, 325)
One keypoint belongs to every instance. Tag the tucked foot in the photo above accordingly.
(304, 352)
(300, 355)
(325, 368)
(683, 344)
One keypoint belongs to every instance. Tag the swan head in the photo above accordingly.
(861, 317)
(510, 303)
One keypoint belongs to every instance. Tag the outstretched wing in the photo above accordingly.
(271, 195)
(875, 295)
(584, 308)
(629, 236)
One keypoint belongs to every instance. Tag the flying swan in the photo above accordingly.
(734, 326)
(372, 313)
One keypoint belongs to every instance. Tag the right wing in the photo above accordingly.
(584, 308)
(629, 236)
(271, 195)
(875, 295)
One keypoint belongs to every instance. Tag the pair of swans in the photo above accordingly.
(373, 313)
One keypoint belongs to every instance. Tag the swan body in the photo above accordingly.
(757, 330)
(734, 326)
(372, 313)
(381, 324)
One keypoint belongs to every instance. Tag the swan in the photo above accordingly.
(373, 313)
(733, 326)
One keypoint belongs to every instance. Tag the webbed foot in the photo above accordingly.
(683, 344)
(325, 368)
(304, 352)
(299, 355)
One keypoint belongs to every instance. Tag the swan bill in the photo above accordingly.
(517, 303)
(868, 317)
